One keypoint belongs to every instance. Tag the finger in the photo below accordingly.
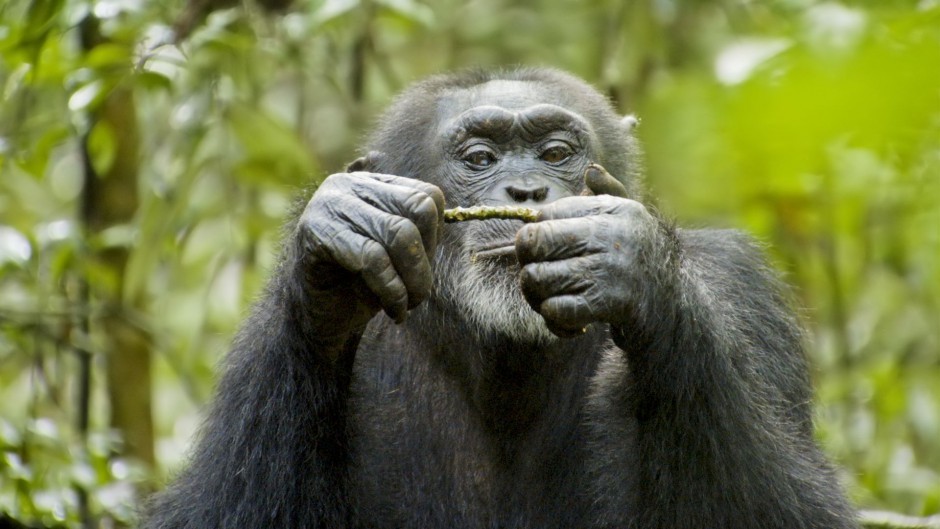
(543, 280)
(427, 188)
(585, 206)
(557, 239)
(600, 182)
(421, 185)
(412, 262)
(567, 315)
(401, 241)
(419, 201)
(369, 259)
(380, 275)
(565, 332)
(437, 196)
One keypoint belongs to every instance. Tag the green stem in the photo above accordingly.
(491, 212)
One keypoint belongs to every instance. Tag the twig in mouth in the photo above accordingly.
(491, 212)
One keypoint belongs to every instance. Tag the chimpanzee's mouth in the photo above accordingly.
(493, 240)
(495, 250)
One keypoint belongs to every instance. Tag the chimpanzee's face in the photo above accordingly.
(504, 143)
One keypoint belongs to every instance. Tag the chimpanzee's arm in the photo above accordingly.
(722, 401)
(271, 452)
(717, 378)
(273, 449)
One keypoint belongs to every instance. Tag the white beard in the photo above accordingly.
(487, 294)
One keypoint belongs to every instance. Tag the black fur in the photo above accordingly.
(693, 412)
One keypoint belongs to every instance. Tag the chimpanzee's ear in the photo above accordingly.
(366, 163)
(629, 122)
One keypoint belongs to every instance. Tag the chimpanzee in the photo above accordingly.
(598, 367)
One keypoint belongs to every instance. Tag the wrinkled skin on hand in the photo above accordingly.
(588, 257)
(368, 241)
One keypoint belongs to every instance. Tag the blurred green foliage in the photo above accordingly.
(814, 125)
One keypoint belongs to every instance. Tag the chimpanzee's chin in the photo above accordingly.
(487, 293)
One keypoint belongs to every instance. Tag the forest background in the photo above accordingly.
(150, 152)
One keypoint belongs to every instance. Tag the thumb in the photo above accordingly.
(599, 182)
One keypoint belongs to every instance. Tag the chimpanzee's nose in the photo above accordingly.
(526, 190)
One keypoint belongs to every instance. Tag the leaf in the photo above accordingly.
(87, 96)
(109, 55)
(152, 80)
(14, 246)
(16, 79)
(333, 9)
(15, 468)
(410, 10)
(41, 17)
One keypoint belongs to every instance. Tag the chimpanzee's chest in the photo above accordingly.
(423, 456)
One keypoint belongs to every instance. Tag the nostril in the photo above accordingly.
(523, 194)
(517, 194)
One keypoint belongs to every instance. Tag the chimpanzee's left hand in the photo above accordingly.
(594, 258)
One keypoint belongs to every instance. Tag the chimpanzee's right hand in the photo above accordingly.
(367, 241)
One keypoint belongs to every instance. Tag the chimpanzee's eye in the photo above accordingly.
(479, 158)
(556, 154)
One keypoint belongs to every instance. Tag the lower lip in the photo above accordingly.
(500, 252)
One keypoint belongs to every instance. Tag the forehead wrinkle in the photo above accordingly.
(540, 120)
(486, 121)
(530, 123)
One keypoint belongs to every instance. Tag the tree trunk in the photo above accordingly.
(110, 199)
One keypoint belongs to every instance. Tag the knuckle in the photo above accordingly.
(585, 309)
(424, 187)
(533, 298)
(423, 207)
(374, 257)
(396, 225)
(526, 240)
(327, 204)
(553, 310)
(319, 219)
(525, 233)
(634, 209)
(360, 186)
(437, 196)
(336, 181)
(330, 181)
(403, 232)
(398, 295)
(529, 277)
(538, 233)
